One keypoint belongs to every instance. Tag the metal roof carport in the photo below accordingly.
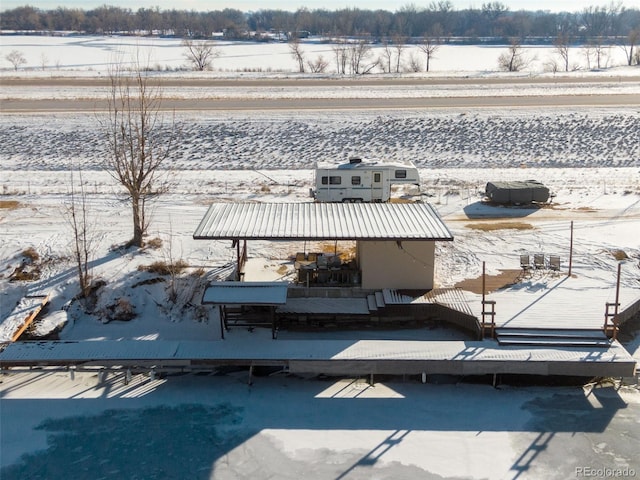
(322, 221)
(227, 295)
(370, 222)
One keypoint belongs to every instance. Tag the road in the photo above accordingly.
(88, 99)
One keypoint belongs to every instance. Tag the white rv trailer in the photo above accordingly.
(362, 180)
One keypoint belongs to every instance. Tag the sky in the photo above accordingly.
(252, 5)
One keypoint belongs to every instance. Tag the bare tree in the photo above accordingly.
(359, 56)
(138, 143)
(16, 58)
(562, 45)
(297, 53)
(44, 61)
(386, 56)
(595, 49)
(632, 43)
(429, 46)
(78, 216)
(399, 44)
(415, 65)
(200, 53)
(319, 65)
(341, 54)
(551, 65)
(514, 59)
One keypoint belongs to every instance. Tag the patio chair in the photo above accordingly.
(538, 260)
(525, 263)
(554, 262)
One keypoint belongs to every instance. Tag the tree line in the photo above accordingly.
(493, 20)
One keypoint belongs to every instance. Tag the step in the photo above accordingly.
(379, 300)
(553, 342)
(371, 303)
(551, 333)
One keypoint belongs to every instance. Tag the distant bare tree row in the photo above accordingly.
(492, 20)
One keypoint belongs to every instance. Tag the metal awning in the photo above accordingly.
(246, 293)
(322, 221)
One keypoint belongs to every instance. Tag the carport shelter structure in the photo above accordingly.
(395, 242)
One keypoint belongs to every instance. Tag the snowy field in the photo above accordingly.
(216, 426)
(87, 55)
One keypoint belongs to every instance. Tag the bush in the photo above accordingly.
(122, 310)
(154, 243)
(164, 268)
(31, 254)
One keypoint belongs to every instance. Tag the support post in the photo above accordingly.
(238, 261)
(222, 320)
(486, 311)
(570, 250)
(617, 305)
(483, 282)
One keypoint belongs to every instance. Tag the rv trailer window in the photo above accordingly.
(376, 177)
(401, 174)
(355, 180)
(325, 180)
(335, 180)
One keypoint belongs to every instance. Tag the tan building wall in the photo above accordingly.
(384, 264)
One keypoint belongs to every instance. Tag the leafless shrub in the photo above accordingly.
(77, 215)
(154, 243)
(121, 310)
(514, 59)
(319, 65)
(161, 267)
(31, 254)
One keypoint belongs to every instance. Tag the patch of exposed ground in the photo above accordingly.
(492, 283)
(9, 204)
(491, 226)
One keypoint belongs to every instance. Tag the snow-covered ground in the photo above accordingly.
(285, 427)
(92, 55)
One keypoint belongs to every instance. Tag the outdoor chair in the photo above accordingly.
(538, 260)
(554, 262)
(525, 263)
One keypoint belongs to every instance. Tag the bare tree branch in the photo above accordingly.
(514, 59)
(200, 53)
(297, 53)
(77, 215)
(138, 144)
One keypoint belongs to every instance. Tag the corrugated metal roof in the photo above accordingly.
(322, 221)
(246, 293)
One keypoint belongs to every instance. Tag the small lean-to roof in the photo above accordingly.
(322, 221)
(246, 293)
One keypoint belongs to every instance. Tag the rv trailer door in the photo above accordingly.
(377, 186)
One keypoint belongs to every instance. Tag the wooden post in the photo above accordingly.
(483, 283)
(484, 305)
(617, 305)
(570, 251)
